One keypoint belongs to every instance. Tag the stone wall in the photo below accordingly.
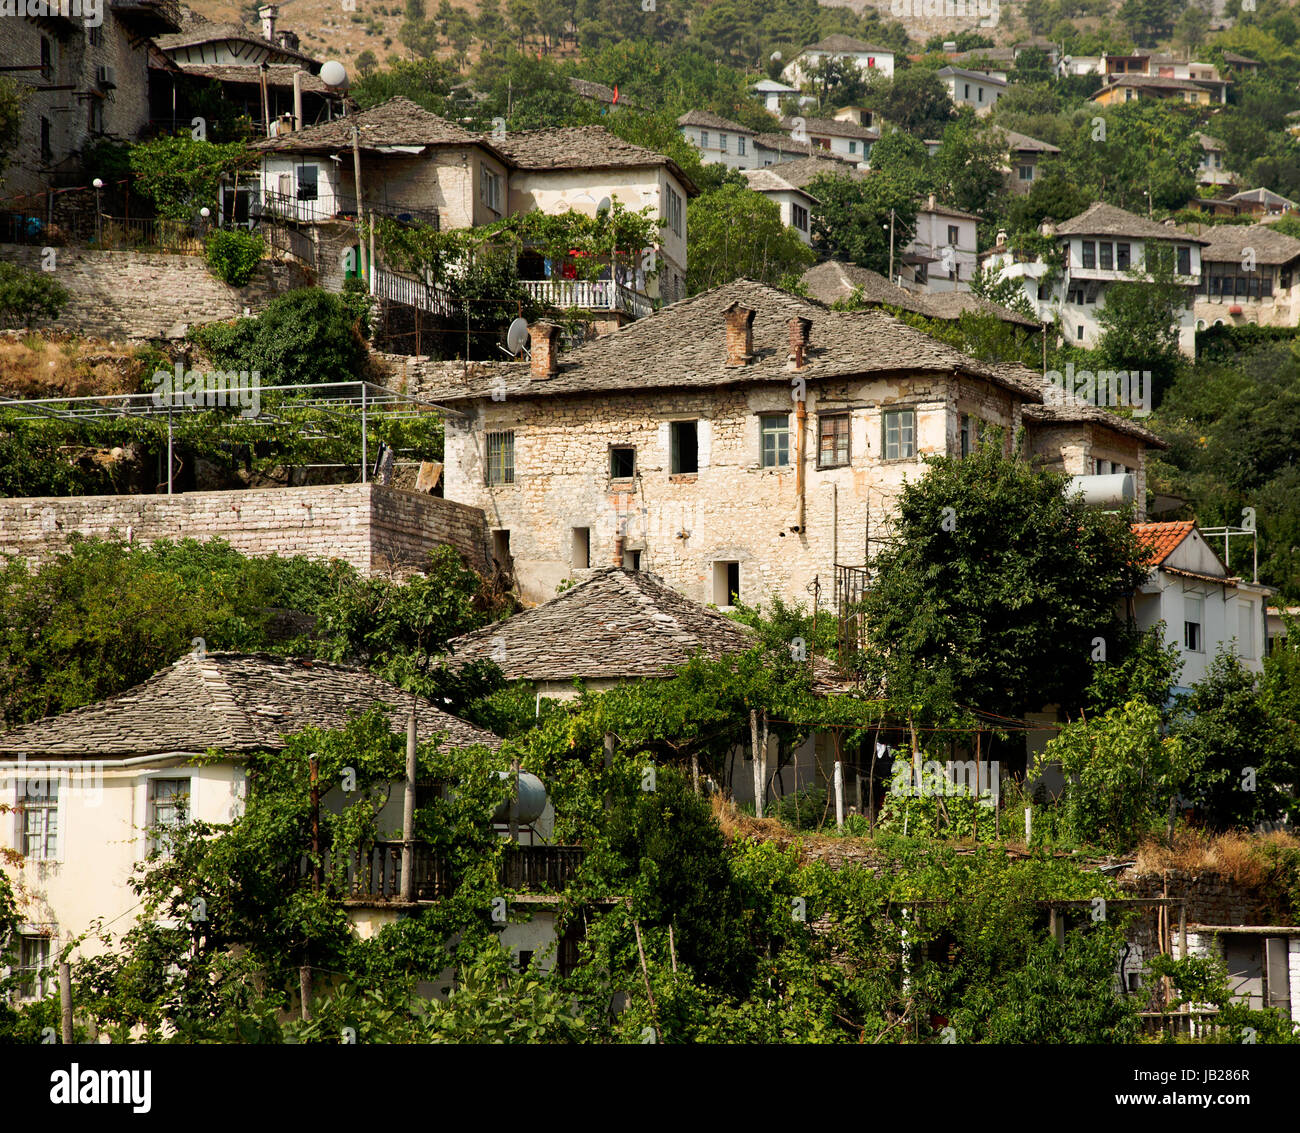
(149, 295)
(1211, 898)
(377, 530)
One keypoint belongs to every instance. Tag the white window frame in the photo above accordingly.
(42, 969)
(1193, 603)
(777, 448)
(489, 187)
(143, 809)
(894, 420)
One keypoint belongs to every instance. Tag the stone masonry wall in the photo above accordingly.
(378, 530)
(146, 295)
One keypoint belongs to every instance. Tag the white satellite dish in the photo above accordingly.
(775, 57)
(333, 74)
(517, 335)
(604, 206)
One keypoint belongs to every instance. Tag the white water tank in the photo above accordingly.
(529, 802)
(1114, 490)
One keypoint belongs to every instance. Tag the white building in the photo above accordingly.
(796, 204)
(868, 58)
(719, 140)
(773, 94)
(943, 247)
(972, 88)
(1203, 606)
(840, 137)
(1102, 246)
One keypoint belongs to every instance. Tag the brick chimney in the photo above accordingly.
(799, 331)
(740, 334)
(620, 541)
(546, 350)
(267, 13)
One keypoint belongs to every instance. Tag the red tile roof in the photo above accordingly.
(1162, 538)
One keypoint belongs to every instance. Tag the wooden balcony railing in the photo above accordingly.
(374, 872)
(338, 206)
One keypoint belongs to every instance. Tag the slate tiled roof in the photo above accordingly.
(277, 75)
(616, 624)
(397, 122)
(197, 30)
(802, 170)
(1228, 244)
(231, 701)
(1055, 409)
(951, 305)
(1162, 538)
(979, 76)
(683, 346)
(1262, 197)
(581, 147)
(712, 122)
(833, 280)
(847, 44)
(1101, 219)
(1023, 143)
(767, 180)
(834, 128)
(782, 144)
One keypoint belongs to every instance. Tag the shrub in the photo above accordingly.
(233, 254)
(26, 296)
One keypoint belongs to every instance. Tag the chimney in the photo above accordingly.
(619, 543)
(929, 202)
(799, 330)
(267, 13)
(546, 362)
(740, 334)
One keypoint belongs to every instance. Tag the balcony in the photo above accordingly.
(374, 873)
(336, 207)
(148, 17)
(590, 295)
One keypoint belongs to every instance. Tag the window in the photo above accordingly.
(622, 462)
(979, 91)
(1184, 260)
(33, 965)
(95, 35)
(832, 440)
(169, 803)
(683, 447)
(580, 547)
(799, 217)
(775, 431)
(726, 582)
(952, 235)
(39, 805)
(1193, 612)
(489, 188)
(722, 142)
(308, 182)
(853, 147)
(631, 560)
(47, 60)
(970, 434)
(900, 434)
(740, 146)
(1089, 254)
(704, 139)
(1245, 631)
(1121, 257)
(965, 90)
(1078, 332)
(1106, 256)
(673, 209)
(1026, 173)
(47, 150)
(501, 458)
(95, 115)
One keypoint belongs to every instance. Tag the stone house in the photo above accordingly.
(417, 166)
(680, 444)
(1249, 274)
(1025, 157)
(90, 792)
(943, 248)
(842, 137)
(82, 83)
(796, 204)
(975, 89)
(867, 57)
(719, 140)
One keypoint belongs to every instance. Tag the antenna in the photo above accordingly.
(604, 205)
(516, 336)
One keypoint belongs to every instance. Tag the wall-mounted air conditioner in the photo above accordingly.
(105, 77)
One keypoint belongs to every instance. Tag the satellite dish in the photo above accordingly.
(333, 74)
(517, 335)
(775, 57)
(604, 206)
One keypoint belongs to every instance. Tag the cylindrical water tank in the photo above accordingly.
(1114, 490)
(529, 802)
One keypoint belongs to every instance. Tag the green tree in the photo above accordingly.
(29, 296)
(996, 585)
(1141, 316)
(735, 233)
(180, 175)
(915, 100)
(852, 217)
(11, 120)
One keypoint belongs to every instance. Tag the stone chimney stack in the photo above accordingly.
(740, 334)
(267, 13)
(546, 350)
(799, 331)
(620, 541)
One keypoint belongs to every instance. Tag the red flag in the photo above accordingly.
(615, 94)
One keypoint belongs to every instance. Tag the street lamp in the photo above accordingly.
(98, 184)
(204, 213)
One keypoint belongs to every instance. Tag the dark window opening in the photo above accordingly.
(684, 443)
(581, 548)
(726, 582)
(501, 547)
(622, 463)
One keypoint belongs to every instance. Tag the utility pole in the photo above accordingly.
(408, 813)
(891, 245)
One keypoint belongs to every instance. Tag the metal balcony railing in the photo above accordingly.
(337, 206)
(590, 295)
